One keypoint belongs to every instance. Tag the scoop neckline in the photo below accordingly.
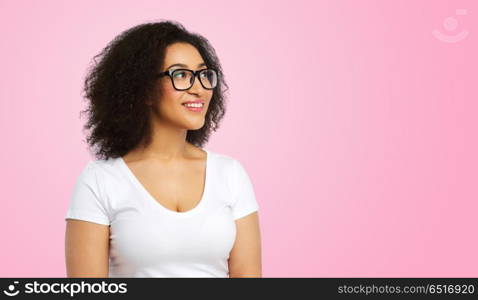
(156, 203)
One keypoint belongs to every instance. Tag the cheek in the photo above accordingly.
(167, 88)
(169, 95)
(209, 94)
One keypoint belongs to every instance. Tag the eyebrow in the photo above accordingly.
(183, 65)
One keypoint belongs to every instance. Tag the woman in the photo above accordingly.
(155, 203)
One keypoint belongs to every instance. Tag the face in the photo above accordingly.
(168, 107)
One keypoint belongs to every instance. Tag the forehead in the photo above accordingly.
(182, 53)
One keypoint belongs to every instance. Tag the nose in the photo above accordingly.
(196, 88)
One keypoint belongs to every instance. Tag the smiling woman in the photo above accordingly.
(155, 203)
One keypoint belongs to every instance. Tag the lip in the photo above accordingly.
(194, 101)
(194, 109)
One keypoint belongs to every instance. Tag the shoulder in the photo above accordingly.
(223, 161)
(229, 167)
(103, 176)
(101, 171)
(103, 165)
(89, 171)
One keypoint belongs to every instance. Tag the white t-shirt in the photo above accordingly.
(150, 240)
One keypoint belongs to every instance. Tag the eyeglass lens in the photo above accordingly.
(183, 79)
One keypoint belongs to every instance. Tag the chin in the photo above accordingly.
(194, 126)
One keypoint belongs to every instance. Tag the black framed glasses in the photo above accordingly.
(183, 79)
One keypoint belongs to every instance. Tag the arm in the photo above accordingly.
(86, 249)
(245, 256)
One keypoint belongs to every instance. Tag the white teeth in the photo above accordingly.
(193, 104)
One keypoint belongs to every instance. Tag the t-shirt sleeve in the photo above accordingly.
(245, 200)
(86, 202)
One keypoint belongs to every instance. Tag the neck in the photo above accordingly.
(168, 143)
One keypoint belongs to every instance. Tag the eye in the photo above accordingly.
(205, 74)
(178, 74)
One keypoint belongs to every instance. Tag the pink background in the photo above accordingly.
(357, 127)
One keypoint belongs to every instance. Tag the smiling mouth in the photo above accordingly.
(196, 107)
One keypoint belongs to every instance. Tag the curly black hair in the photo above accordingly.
(120, 84)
